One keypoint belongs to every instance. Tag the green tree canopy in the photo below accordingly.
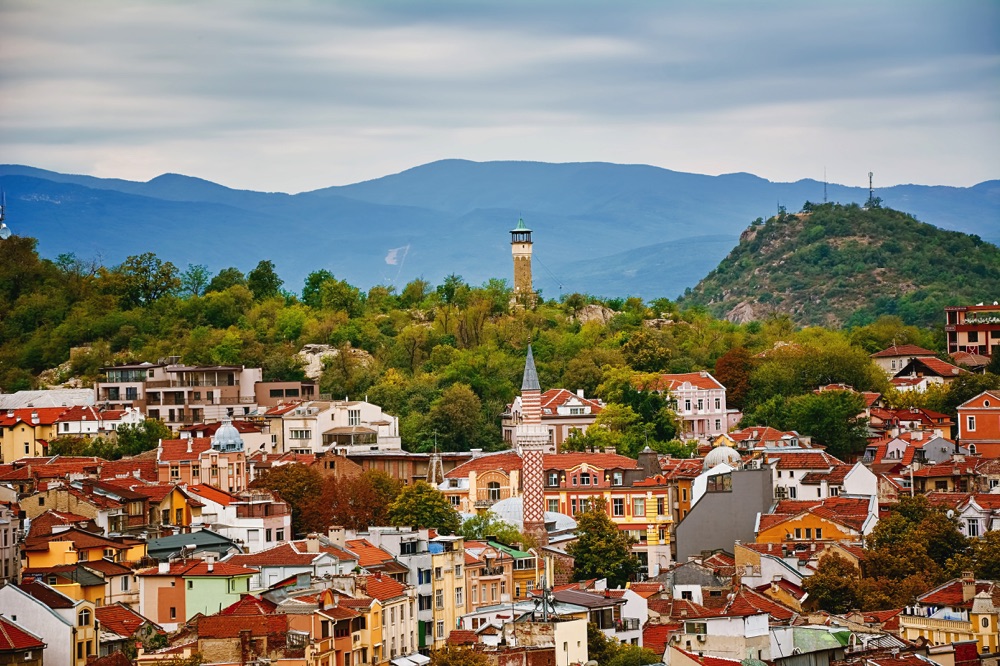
(601, 549)
(263, 280)
(422, 505)
(487, 524)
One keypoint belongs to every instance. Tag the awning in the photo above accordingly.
(418, 659)
(401, 661)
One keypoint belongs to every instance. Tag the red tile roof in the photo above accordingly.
(175, 450)
(384, 588)
(656, 636)
(555, 398)
(937, 367)
(46, 594)
(122, 620)
(701, 380)
(646, 589)
(146, 468)
(212, 494)
(803, 459)
(14, 638)
(508, 461)
(230, 626)
(462, 637)
(81, 541)
(950, 594)
(706, 660)
(250, 605)
(46, 416)
(369, 555)
(199, 568)
(294, 553)
(902, 350)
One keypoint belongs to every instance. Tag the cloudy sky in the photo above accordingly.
(293, 96)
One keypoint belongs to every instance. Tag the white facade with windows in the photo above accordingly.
(346, 427)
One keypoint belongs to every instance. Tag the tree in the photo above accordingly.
(263, 281)
(422, 505)
(633, 655)
(142, 279)
(832, 418)
(834, 586)
(361, 501)
(487, 524)
(226, 278)
(194, 279)
(310, 291)
(601, 549)
(301, 486)
(733, 369)
(145, 436)
(458, 656)
(456, 418)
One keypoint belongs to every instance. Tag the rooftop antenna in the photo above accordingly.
(871, 188)
(4, 229)
(824, 184)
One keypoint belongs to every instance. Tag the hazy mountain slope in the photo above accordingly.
(594, 223)
(841, 264)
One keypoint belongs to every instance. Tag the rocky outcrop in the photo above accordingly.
(593, 312)
(314, 355)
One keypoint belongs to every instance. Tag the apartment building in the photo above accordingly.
(345, 427)
(699, 401)
(974, 329)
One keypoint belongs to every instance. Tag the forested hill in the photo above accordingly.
(834, 264)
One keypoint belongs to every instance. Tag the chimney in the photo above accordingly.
(34, 417)
(312, 543)
(210, 561)
(163, 568)
(189, 445)
(579, 393)
(336, 535)
(336, 599)
(968, 586)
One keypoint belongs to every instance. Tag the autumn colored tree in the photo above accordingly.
(601, 549)
(302, 487)
(834, 586)
(733, 369)
(458, 656)
(422, 505)
(361, 501)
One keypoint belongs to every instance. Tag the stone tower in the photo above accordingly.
(531, 438)
(520, 249)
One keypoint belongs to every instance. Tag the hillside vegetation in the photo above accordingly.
(839, 265)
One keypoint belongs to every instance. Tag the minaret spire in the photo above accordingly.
(531, 439)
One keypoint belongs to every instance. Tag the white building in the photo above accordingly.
(254, 519)
(699, 401)
(344, 426)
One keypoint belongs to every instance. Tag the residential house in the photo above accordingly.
(254, 519)
(26, 433)
(313, 555)
(346, 427)
(173, 592)
(934, 369)
(66, 626)
(121, 626)
(170, 507)
(399, 617)
(272, 394)
(895, 358)
(844, 518)
(977, 513)
(219, 461)
(759, 438)
(489, 573)
(979, 424)
(799, 473)
(11, 533)
(191, 545)
(18, 645)
(563, 412)
(699, 401)
(375, 560)
(178, 394)
(960, 610)
(256, 433)
(957, 475)
(73, 545)
(974, 329)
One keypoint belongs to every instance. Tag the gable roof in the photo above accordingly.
(15, 638)
(176, 450)
(384, 588)
(803, 459)
(933, 366)
(700, 380)
(122, 620)
(200, 569)
(902, 350)
(553, 399)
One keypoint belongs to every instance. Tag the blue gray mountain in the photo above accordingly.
(604, 229)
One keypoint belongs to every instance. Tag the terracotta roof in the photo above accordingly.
(902, 350)
(656, 636)
(384, 588)
(851, 512)
(949, 468)
(46, 416)
(950, 594)
(14, 638)
(565, 461)
(176, 450)
(146, 467)
(368, 554)
(231, 626)
(46, 594)
(555, 398)
(462, 637)
(646, 589)
(936, 366)
(107, 567)
(288, 554)
(746, 602)
(250, 605)
(199, 568)
(707, 660)
(81, 540)
(835, 477)
(212, 494)
(701, 380)
(681, 468)
(122, 620)
(803, 459)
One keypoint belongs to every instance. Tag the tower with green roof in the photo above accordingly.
(520, 249)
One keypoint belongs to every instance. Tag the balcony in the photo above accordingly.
(628, 624)
(487, 497)
(487, 572)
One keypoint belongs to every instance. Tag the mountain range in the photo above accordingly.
(598, 228)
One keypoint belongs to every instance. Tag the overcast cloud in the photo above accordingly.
(294, 96)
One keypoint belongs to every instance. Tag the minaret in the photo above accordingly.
(531, 439)
(520, 249)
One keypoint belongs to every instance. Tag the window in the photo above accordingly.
(687, 405)
(661, 506)
(280, 535)
(268, 533)
(175, 472)
(493, 488)
(41, 501)
(834, 491)
(798, 533)
(684, 494)
(819, 533)
(809, 533)
(300, 434)
(440, 629)
(553, 505)
(173, 613)
(638, 506)
(423, 576)
(353, 417)
(718, 405)
(196, 472)
(972, 526)
(276, 393)
(425, 602)
(125, 583)
(131, 393)
(618, 506)
(616, 478)
(190, 584)
(459, 597)
(687, 594)
(552, 479)
(475, 594)
(439, 599)
(970, 422)
(408, 548)
(792, 492)
(973, 336)
(27, 448)
(695, 627)
(458, 571)
(573, 505)
(438, 573)
(585, 479)
(720, 483)
(576, 411)
(718, 424)
(701, 404)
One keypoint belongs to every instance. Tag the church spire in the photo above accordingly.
(529, 381)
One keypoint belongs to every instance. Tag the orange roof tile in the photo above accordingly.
(13, 637)
(902, 350)
(701, 380)
(122, 620)
(176, 450)
(384, 588)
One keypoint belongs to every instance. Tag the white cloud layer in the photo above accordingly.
(301, 95)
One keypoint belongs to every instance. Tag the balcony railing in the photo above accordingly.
(486, 572)
(486, 497)
(628, 624)
(195, 383)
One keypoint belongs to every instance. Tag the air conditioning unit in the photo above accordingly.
(701, 638)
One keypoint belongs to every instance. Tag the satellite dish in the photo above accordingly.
(950, 513)
(4, 231)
